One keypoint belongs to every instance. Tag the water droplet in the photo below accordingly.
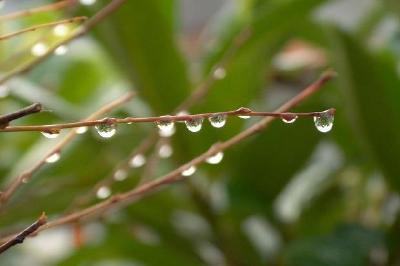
(61, 50)
(216, 158)
(190, 171)
(61, 30)
(194, 125)
(137, 161)
(244, 116)
(167, 128)
(324, 121)
(289, 119)
(4, 91)
(217, 121)
(25, 180)
(81, 130)
(120, 175)
(103, 192)
(39, 49)
(219, 73)
(165, 151)
(87, 2)
(106, 130)
(50, 135)
(53, 158)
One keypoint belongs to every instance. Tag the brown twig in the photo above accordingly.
(19, 238)
(31, 109)
(41, 26)
(41, 9)
(176, 175)
(88, 25)
(55, 128)
(27, 174)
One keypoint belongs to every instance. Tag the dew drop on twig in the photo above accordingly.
(61, 50)
(103, 192)
(50, 135)
(137, 161)
(81, 130)
(219, 73)
(165, 151)
(53, 158)
(324, 121)
(217, 121)
(106, 130)
(216, 158)
(289, 119)
(166, 128)
(39, 49)
(194, 125)
(120, 175)
(87, 2)
(61, 30)
(190, 171)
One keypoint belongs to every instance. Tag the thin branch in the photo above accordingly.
(31, 109)
(27, 174)
(19, 238)
(176, 175)
(88, 25)
(41, 9)
(55, 128)
(41, 26)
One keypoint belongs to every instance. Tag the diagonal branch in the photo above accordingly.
(31, 109)
(27, 174)
(19, 238)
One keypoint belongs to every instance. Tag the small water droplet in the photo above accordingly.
(166, 128)
(87, 2)
(50, 135)
(165, 151)
(106, 130)
(53, 158)
(190, 171)
(81, 130)
(120, 175)
(103, 192)
(61, 50)
(39, 49)
(324, 121)
(25, 180)
(194, 125)
(137, 161)
(61, 30)
(217, 121)
(244, 116)
(216, 158)
(289, 119)
(219, 73)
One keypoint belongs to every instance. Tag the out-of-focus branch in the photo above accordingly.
(31, 109)
(27, 174)
(41, 26)
(19, 238)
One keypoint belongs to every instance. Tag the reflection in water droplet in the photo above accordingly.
(61, 30)
(216, 158)
(53, 158)
(120, 175)
(194, 125)
(137, 161)
(81, 130)
(219, 73)
(39, 49)
(289, 119)
(165, 151)
(103, 192)
(190, 171)
(50, 135)
(217, 121)
(324, 121)
(166, 128)
(106, 130)
(61, 50)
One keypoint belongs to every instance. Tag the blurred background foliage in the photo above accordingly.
(288, 196)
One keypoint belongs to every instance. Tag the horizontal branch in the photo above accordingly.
(19, 238)
(27, 174)
(55, 128)
(41, 9)
(31, 109)
(41, 26)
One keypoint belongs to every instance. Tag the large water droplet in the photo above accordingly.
(81, 130)
(53, 158)
(106, 130)
(190, 171)
(103, 192)
(137, 161)
(50, 135)
(165, 151)
(167, 128)
(216, 158)
(217, 121)
(194, 125)
(289, 119)
(120, 175)
(324, 121)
